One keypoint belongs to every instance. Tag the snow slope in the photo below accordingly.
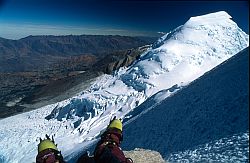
(204, 122)
(229, 149)
(175, 60)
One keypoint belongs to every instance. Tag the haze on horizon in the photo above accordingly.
(19, 19)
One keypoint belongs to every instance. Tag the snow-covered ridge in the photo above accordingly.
(200, 44)
(212, 107)
(178, 58)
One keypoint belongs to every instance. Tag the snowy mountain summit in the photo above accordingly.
(175, 60)
(187, 52)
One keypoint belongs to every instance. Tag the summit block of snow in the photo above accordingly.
(219, 18)
(175, 60)
(186, 53)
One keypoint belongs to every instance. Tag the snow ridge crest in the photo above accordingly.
(178, 58)
(209, 21)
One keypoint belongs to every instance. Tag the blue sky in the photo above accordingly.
(20, 18)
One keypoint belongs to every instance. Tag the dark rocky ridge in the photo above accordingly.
(40, 52)
(61, 74)
(119, 59)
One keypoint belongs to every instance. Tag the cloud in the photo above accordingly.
(162, 33)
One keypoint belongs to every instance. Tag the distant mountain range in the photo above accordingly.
(42, 52)
(36, 68)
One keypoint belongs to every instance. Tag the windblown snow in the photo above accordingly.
(174, 61)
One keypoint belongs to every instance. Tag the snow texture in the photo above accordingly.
(174, 61)
(212, 109)
(230, 149)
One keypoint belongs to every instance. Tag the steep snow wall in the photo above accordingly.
(213, 107)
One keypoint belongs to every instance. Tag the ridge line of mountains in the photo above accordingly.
(41, 52)
(35, 68)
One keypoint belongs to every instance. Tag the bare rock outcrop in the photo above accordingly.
(139, 155)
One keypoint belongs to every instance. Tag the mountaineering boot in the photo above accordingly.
(48, 152)
(108, 148)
